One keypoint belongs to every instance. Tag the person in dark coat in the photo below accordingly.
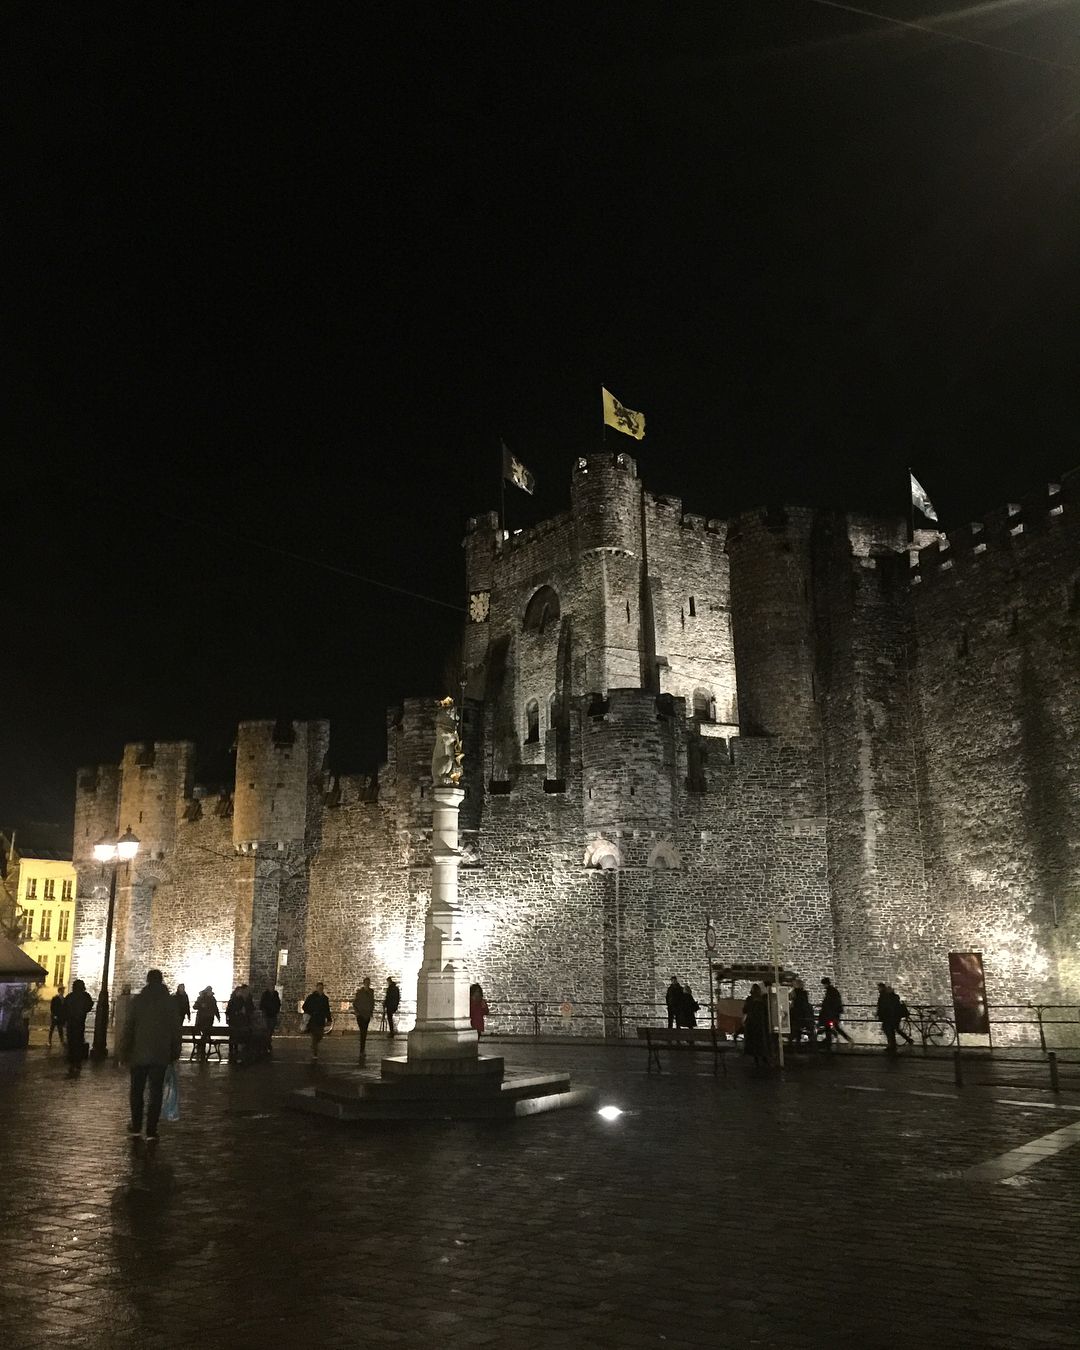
(832, 1009)
(317, 1008)
(391, 1002)
(801, 1014)
(238, 1012)
(77, 1006)
(756, 1037)
(363, 1006)
(270, 1007)
(687, 1007)
(183, 1003)
(57, 1015)
(151, 1043)
(890, 1013)
(672, 998)
(206, 1014)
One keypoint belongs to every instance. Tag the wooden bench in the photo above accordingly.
(217, 1037)
(683, 1038)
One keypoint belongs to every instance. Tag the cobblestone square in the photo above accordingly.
(833, 1207)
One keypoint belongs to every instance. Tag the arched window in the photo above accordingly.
(704, 706)
(541, 610)
(532, 722)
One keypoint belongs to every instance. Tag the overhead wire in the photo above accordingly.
(920, 26)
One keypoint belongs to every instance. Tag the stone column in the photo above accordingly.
(442, 1028)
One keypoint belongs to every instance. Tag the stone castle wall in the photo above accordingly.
(885, 754)
(996, 618)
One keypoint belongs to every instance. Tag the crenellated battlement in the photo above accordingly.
(1012, 534)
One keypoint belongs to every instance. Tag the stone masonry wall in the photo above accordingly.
(997, 622)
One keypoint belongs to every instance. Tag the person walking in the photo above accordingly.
(478, 1008)
(832, 1009)
(57, 1015)
(801, 1014)
(77, 1006)
(270, 1007)
(121, 1008)
(183, 1003)
(673, 998)
(151, 1043)
(391, 1002)
(317, 1008)
(363, 1005)
(206, 1014)
(890, 1013)
(756, 1038)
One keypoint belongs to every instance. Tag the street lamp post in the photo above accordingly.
(113, 852)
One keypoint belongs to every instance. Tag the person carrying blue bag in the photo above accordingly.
(150, 1046)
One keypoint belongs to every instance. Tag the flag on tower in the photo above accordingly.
(515, 472)
(920, 500)
(623, 419)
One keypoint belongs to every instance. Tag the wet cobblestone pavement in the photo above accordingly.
(834, 1207)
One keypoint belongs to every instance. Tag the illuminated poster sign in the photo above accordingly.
(969, 993)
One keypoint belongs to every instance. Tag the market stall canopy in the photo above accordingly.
(16, 967)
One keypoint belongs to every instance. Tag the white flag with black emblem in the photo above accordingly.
(623, 419)
(515, 472)
(920, 500)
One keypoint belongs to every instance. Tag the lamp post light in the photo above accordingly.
(113, 852)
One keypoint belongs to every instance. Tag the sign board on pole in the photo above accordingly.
(969, 993)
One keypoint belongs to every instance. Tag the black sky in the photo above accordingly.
(285, 273)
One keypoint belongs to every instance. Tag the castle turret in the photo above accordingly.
(616, 649)
(97, 799)
(482, 537)
(278, 779)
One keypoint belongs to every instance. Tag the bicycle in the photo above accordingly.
(931, 1024)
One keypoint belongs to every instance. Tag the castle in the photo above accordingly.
(667, 719)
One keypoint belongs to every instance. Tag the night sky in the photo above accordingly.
(283, 275)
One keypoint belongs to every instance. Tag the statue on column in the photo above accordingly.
(448, 755)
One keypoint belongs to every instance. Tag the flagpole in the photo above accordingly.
(502, 488)
(911, 506)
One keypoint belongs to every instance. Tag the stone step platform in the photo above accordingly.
(364, 1095)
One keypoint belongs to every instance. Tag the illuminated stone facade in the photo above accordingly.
(668, 718)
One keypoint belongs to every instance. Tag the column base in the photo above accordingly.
(442, 1043)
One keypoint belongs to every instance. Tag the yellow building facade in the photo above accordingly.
(46, 910)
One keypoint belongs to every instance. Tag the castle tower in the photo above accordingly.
(279, 769)
(772, 610)
(97, 801)
(155, 778)
(616, 646)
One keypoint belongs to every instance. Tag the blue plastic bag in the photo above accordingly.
(170, 1097)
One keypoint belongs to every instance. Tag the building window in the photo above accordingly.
(704, 706)
(31, 888)
(45, 931)
(693, 609)
(541, 610)
(532, 722)
(59, 972)
(50, 889)
(62, 926)
(66, 890)
(28, 925)
(43, 962)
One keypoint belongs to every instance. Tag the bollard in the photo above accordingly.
(958, 1072)
(1054, 1086)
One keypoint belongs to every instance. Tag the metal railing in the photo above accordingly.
(1049, 1026)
